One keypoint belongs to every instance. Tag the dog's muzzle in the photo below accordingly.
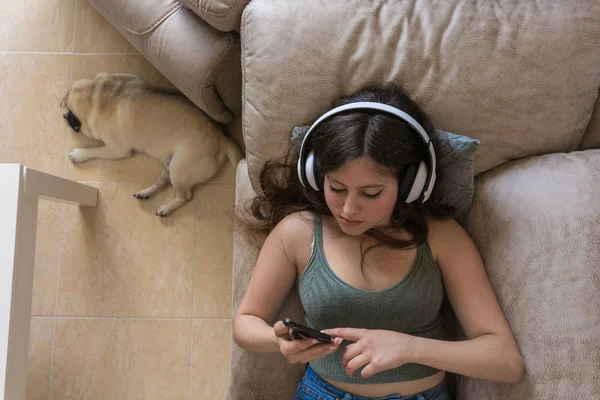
(73, 121)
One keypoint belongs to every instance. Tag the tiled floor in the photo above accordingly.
(125, 305)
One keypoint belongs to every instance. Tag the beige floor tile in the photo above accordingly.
(34, 25)
(120, 259)
(94, 34)
(40, 355)
(120, 359)
(215, 201)
(138, 168)
(214, 249)
(32, 130)
(46, 258)
(211, 356)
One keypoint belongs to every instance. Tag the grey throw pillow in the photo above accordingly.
(456, 159)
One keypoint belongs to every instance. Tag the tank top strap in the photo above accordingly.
(315, 261)
(317, 234)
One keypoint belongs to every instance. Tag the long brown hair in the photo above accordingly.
(342, 138)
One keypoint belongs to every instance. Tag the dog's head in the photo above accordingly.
(89, 96)
(76, 105)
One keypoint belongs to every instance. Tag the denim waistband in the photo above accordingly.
(438, 392)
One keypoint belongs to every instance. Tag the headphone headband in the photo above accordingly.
(369, 105)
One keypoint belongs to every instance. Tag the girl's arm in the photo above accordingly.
(489, 356)
(490, 351)
(272, 280)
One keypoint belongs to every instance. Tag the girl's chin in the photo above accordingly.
(352, 228)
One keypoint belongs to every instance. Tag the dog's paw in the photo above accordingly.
(141, 195)
(78, 155)
(163, 211)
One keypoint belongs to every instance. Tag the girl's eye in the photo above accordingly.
(372, 196)
(365, 195)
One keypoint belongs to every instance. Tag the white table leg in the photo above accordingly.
(20, 188)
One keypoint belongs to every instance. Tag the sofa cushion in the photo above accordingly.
(455, 156)
(256, 376)
(223, 15)
(520, 76)
(202, 62)
(536, 223)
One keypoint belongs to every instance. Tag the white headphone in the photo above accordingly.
(418, 180)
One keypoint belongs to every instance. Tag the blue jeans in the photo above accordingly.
(313, 387)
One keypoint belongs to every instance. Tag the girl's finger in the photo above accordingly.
(317, 351)
(280, 329)
(368, 371)
(355, 364)
(351, 351)
(299, 345)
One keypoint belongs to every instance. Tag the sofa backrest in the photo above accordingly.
(520, 76)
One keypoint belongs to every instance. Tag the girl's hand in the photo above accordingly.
(377, 350)
(302, 350)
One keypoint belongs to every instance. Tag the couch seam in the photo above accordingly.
(211, 72)
(119, 21)
(216, 14)
(243, 68)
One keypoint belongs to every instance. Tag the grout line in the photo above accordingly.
(74, 26)
(66, 53)
(62, 214)
(36, 52)
(191, 359)
(193, 295)
(133, 318)
(52, 357)
(194, 260)
(108, 54)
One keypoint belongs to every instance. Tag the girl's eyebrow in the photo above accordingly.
(360, 187)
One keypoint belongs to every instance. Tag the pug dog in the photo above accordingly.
(127, 114)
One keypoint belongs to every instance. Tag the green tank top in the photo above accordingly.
(413, 306)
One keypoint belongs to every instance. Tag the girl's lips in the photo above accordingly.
(349, 222)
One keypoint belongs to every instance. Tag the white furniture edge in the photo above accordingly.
(20, 189)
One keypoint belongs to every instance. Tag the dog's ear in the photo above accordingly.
(63, 102)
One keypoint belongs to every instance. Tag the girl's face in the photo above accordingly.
(360, 197)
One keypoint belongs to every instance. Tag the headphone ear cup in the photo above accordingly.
(418, 183)
(319, 177)
(406, 183)
(312, 170)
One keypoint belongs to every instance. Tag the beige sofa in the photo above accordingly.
(521, 76)
(193, 43)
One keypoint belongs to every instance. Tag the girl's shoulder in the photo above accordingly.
(441, 232)
(297, 221)
(295, 230)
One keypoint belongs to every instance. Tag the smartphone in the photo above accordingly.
(304, 332)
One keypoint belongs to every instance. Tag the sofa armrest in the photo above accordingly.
(202, 62)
